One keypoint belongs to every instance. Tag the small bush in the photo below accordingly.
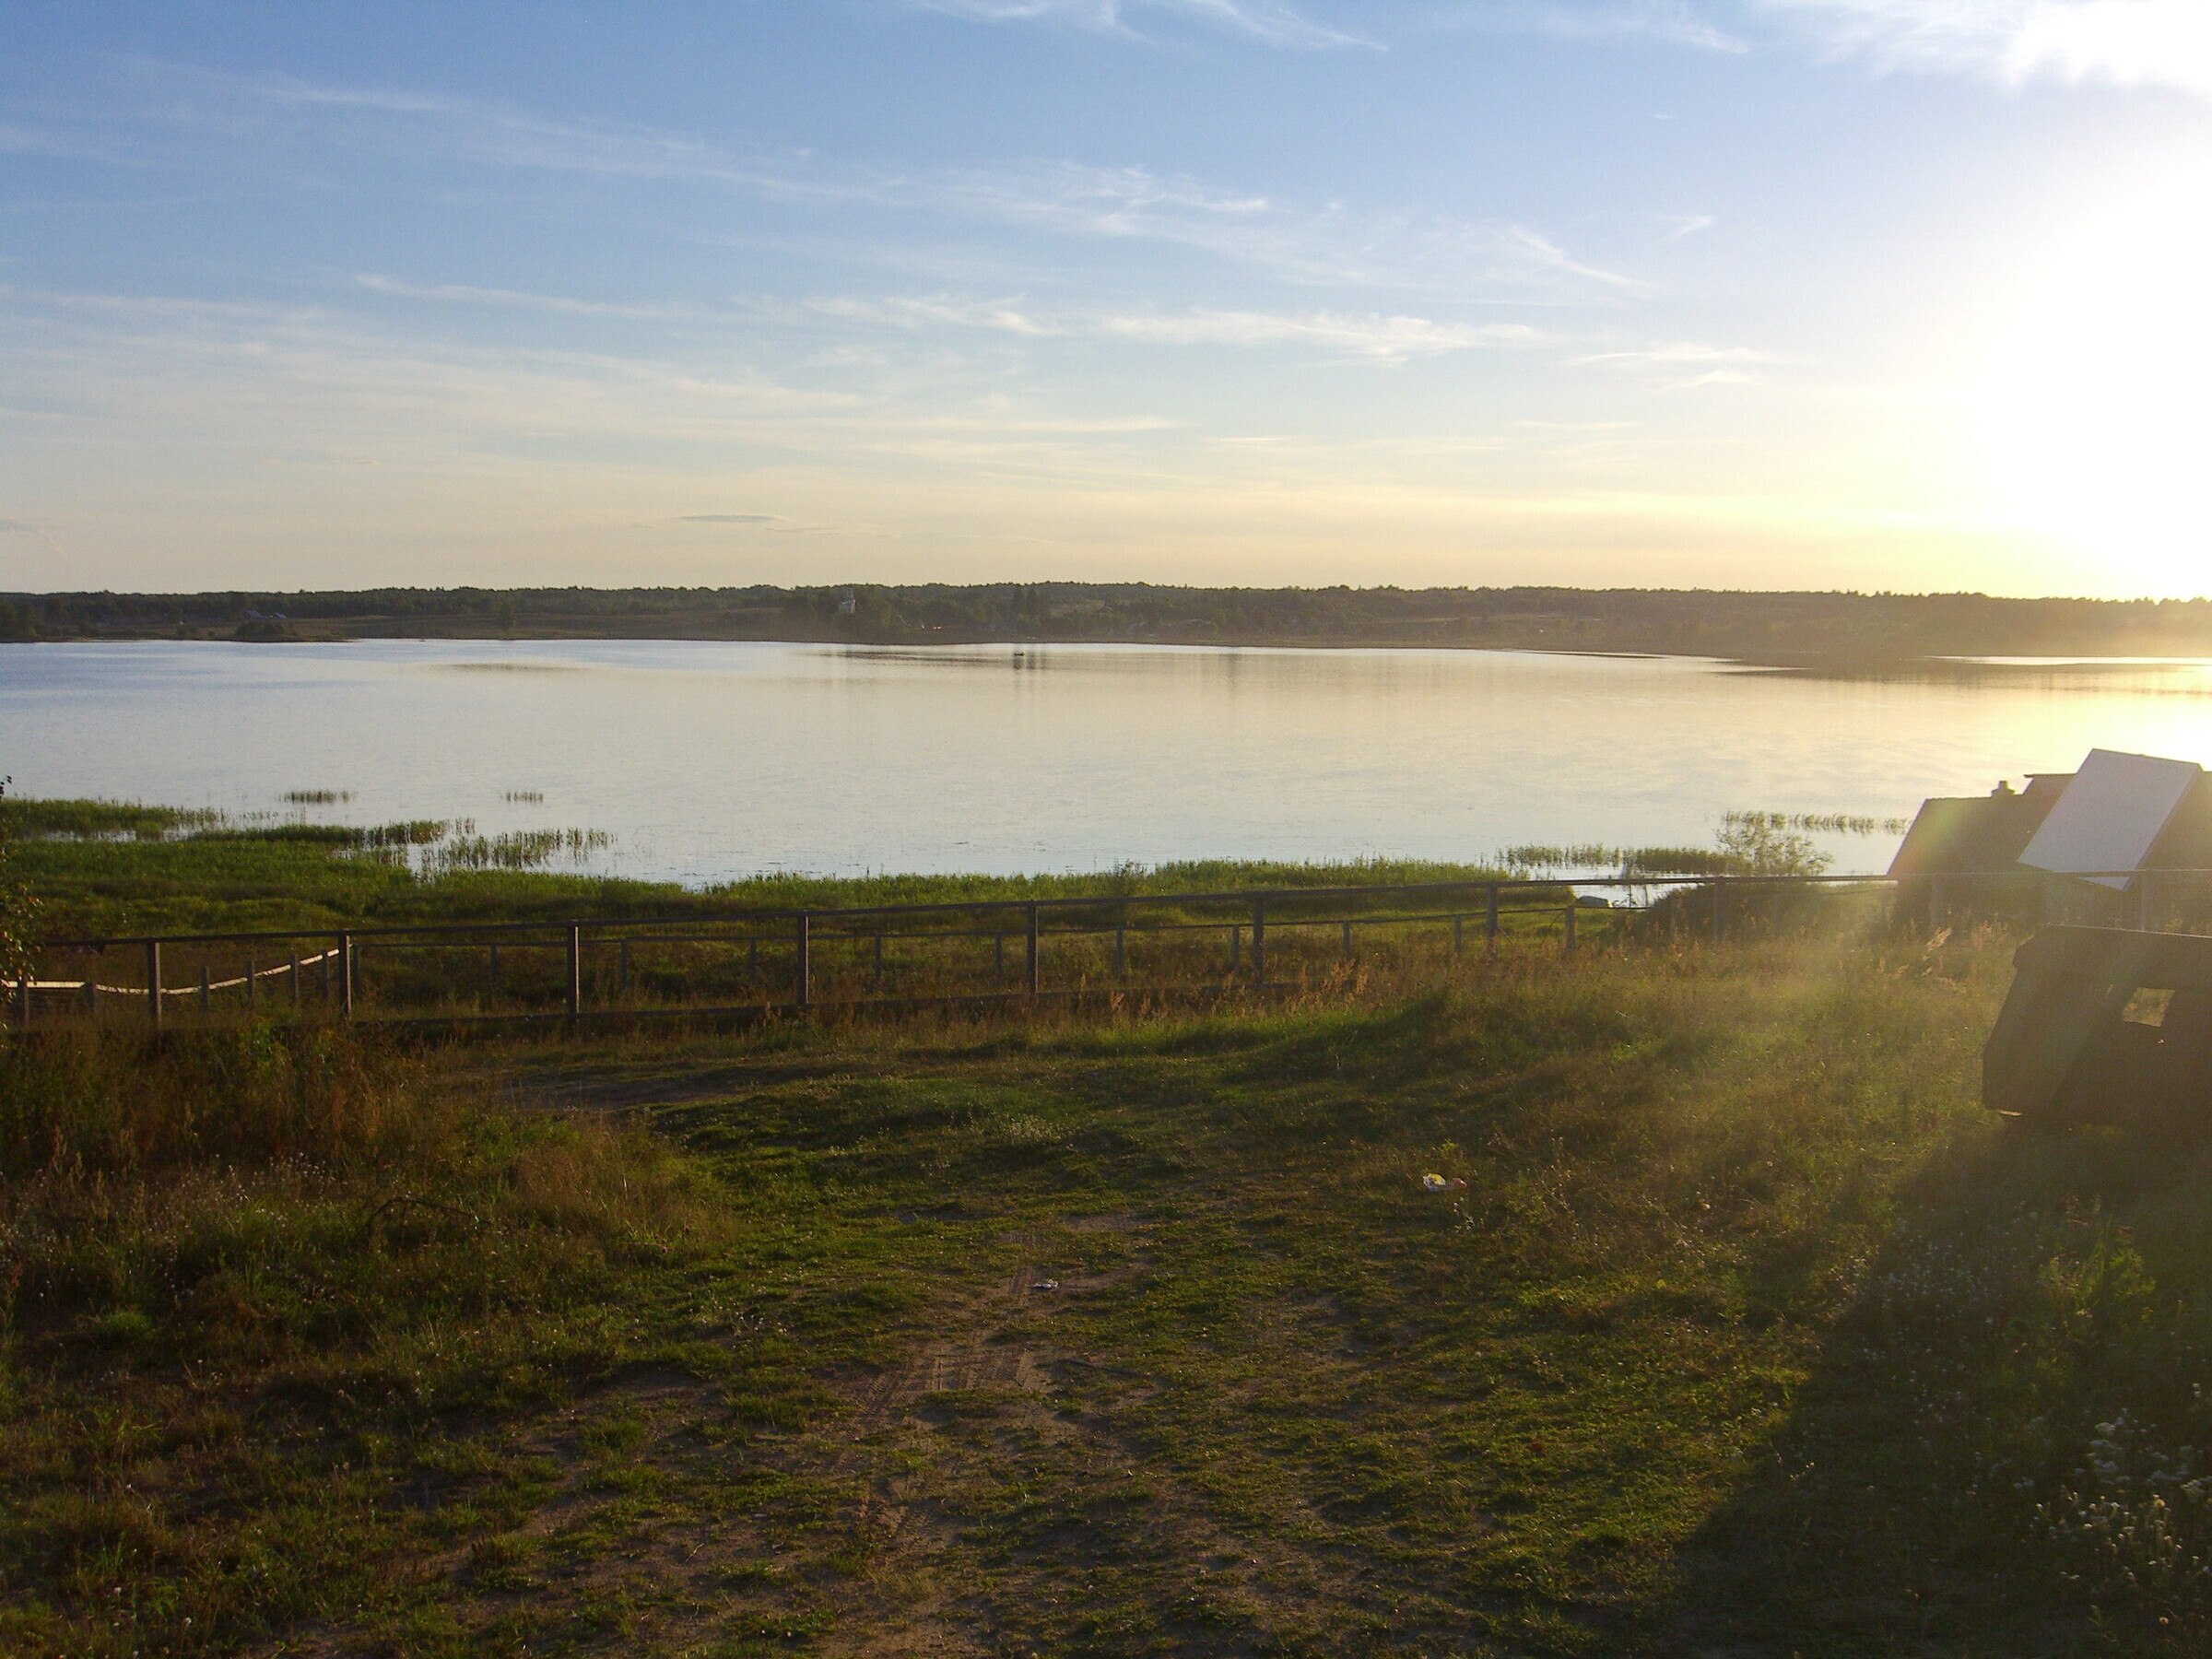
(18, 908)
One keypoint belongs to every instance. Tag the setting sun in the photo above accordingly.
(2097, 418)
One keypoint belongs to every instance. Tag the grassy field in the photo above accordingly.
(1749, 1333)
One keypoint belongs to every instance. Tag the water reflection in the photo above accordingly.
(707, 759)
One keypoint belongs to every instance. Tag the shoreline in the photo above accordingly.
(1943, 666)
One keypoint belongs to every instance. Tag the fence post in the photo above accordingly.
(2143, 909)
(2157, 904)
(999, 956)
(1936, 903)
(23, 1000)
(622, 971)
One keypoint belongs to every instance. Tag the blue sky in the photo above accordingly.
(1865, 293)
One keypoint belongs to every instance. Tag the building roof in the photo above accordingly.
(1971, 834)
(2120, 812)
(2112, 816)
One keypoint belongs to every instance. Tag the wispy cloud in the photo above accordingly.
(1328, 242)
(1266, 21)
(2130, 43)
(1374, 336)
(1669, 21)
(1688, 364)
(775, 523)
(517, 299)
(1383, 337)
(430, 126)
(1681, 354)
(933, 311)
(293, 386)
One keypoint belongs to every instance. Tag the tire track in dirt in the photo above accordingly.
(900, 1512)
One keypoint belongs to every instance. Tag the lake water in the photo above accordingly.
(706, 760)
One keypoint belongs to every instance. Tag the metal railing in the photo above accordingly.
(799, 961)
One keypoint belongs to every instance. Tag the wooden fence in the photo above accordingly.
(801, 961)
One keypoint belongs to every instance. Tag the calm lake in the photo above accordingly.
(706, 760)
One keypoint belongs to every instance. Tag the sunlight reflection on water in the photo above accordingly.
(710, 760)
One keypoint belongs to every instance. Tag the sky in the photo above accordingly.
(1869, 294)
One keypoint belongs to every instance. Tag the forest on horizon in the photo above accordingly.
(1778, 628)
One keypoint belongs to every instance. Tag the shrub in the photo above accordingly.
(19, 908)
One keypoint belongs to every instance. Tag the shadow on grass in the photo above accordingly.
(1999, 1448)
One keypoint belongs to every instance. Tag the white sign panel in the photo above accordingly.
(2111, 814)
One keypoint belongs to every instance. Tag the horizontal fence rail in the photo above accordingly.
(760, 963)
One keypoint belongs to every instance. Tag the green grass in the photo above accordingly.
(188, 874)
(1749, 1333)
(32, 818)
(310, 879)
(252, 1284)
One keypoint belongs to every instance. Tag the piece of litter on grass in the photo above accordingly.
(1437, 1183)
(1046, 1285)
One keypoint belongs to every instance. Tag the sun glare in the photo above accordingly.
(2097, 418)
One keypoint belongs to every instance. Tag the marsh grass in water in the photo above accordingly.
(110, 868)
(1820, 823)
(1595, 858)
(226, 876)
(518, 850)
(34, 819)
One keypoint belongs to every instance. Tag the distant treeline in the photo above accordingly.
(1775, 628)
